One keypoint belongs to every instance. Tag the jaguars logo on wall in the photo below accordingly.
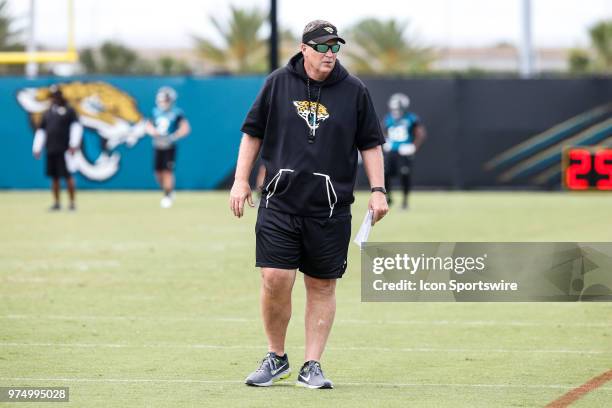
(306, 110)
(111, 113)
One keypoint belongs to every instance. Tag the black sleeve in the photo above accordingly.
(73, 116)
(369, 133)
(43, 121)
(255, 122)
(416, 122)
(180, 116)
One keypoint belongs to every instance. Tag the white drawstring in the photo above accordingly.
(276, 178)
(328, 185)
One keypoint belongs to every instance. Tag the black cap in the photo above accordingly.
(319, 32)
(55, 90)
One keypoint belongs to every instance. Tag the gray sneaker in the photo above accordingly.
(272, 369)
(311, 376)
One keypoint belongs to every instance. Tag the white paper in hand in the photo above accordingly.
(364, 230)
(407, 149)
(71, 162)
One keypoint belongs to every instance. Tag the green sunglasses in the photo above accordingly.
(322, 48)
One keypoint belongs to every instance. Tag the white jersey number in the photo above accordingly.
(398, 134)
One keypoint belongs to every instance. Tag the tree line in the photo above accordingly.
(374, 47)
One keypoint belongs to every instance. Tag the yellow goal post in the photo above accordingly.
(69, 55)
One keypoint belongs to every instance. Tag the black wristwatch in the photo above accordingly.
(381, 189)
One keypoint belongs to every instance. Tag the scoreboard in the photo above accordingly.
(587, 168)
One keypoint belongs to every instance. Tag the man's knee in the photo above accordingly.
(277, 280)
(321, 287)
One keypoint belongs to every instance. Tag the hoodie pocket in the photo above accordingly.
(332, 198)
(302, 192)
(272, 185)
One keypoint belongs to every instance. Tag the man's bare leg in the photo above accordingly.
(276, 286)
(168, 181)
(55, 188)
(71, 190)
(320, 312)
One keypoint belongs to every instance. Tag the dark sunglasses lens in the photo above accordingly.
(324, 47)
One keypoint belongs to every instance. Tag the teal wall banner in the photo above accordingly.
(483, 133)
(116, 152)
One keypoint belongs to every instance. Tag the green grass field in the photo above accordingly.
(131, 305)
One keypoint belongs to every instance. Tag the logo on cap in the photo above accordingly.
(329, 30)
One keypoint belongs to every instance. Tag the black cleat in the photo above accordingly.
(55, 207)
(272, 369)
(311, 376)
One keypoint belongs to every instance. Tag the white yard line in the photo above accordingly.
(350, 348)
(131, 318)
(341, 384)
(471, 323)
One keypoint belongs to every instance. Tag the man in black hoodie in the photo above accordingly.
(310, 119)
(59, 132)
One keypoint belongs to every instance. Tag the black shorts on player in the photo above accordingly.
(316, 246)
(397, 165)
(56, 166)
(165, 159)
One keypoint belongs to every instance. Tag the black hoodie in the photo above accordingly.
(312, 177)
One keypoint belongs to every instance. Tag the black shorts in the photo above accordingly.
(56, 165)
(397, 165)
(165, 159)
(316, 246)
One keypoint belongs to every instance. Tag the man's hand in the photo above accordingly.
(240, 192)
(151, 130)
(36, 155)
(378, 205)
(72, 150)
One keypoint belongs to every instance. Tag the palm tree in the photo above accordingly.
(243, 49)
(9, 38)
(382, 47)
(289, 44)
(167, 65)
(599, 58)
(579, 60)
(114, 58)
(601, 41)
